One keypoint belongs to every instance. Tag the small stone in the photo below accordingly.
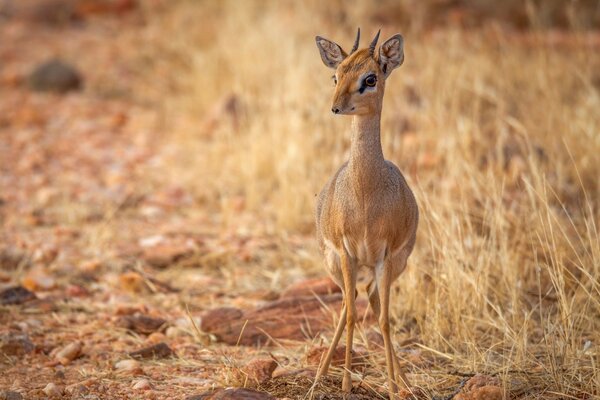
(77, 389)
(69, 353)
(55, 76)
(260, 370)
(132, 282)
(16, 344)
(480, 380)
(482, 393)
(173, 332)
(232, 394)
(13, 258)
(159, 350)
(10, 395)
(129, 367)
(141, 323)
(16, 295)
(53, 391)
(142, 384)
(156, 337)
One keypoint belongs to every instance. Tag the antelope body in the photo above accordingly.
(366, 215)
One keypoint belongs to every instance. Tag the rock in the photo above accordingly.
(55, 76)
(53, 391)
(311, 287)
(415, 393)
(12, 258)
(316, 354)
(163, 255)
(141, 323)
(68, 353)
(133, 282)
(159, 350)
(480, 380)
(481, 387)
(10, 395)
(156, 337)
(15, 344)
(293, 318)
(16, 295)
(37, 281)
(260, 369)
(232, 394)
(482, 393)
(77, 390)
(142, 384)
(129, 367)
(174, 331)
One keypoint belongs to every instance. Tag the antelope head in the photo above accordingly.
(360, 75)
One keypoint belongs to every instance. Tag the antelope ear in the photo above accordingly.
(391, 54)
(331, 52)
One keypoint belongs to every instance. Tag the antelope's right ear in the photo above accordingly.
(331, 52)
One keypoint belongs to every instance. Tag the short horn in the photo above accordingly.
(374, 43)
(355, 47)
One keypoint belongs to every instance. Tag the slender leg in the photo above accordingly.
(334, 342)
(349, 273)
(384, 281)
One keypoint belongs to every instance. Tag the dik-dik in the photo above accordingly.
(366, 214)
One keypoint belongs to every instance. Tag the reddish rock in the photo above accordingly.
(260, 369)
(480, 380)
(482, 393)
(232, 394)
(290, 318)
(141, 323)
(481, 387)
(163, 255)
(316, 354)
(159, 350)
(311, 287)
(69, 353)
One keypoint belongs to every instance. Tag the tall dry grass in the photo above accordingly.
(497, 132)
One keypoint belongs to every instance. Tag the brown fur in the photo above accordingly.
(366, 214)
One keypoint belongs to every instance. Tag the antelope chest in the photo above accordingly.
(365, 236)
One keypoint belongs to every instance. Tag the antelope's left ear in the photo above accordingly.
(391, 54)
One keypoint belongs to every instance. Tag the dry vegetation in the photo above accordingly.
(204, 128)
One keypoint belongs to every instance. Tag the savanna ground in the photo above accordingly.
(182, 179)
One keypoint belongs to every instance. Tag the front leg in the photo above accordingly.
(349, 273)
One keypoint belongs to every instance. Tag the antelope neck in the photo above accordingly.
(366, 156)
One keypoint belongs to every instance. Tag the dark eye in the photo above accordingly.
(334, 79)
(371, 80)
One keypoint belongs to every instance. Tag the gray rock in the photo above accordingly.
(16, 295)
(55, 76)
(10, 395)
(15, 344)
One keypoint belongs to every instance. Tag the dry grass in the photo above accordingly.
(497, 133)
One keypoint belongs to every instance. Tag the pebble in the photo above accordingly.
(173, 332)
(10, 395)
(15, 344)
(142, 384)
(52, 390)
(69, 353)
(130, 367)
(159, 350)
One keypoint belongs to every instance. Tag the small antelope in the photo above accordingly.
(366, 214)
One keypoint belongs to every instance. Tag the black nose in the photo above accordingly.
(335, 110)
